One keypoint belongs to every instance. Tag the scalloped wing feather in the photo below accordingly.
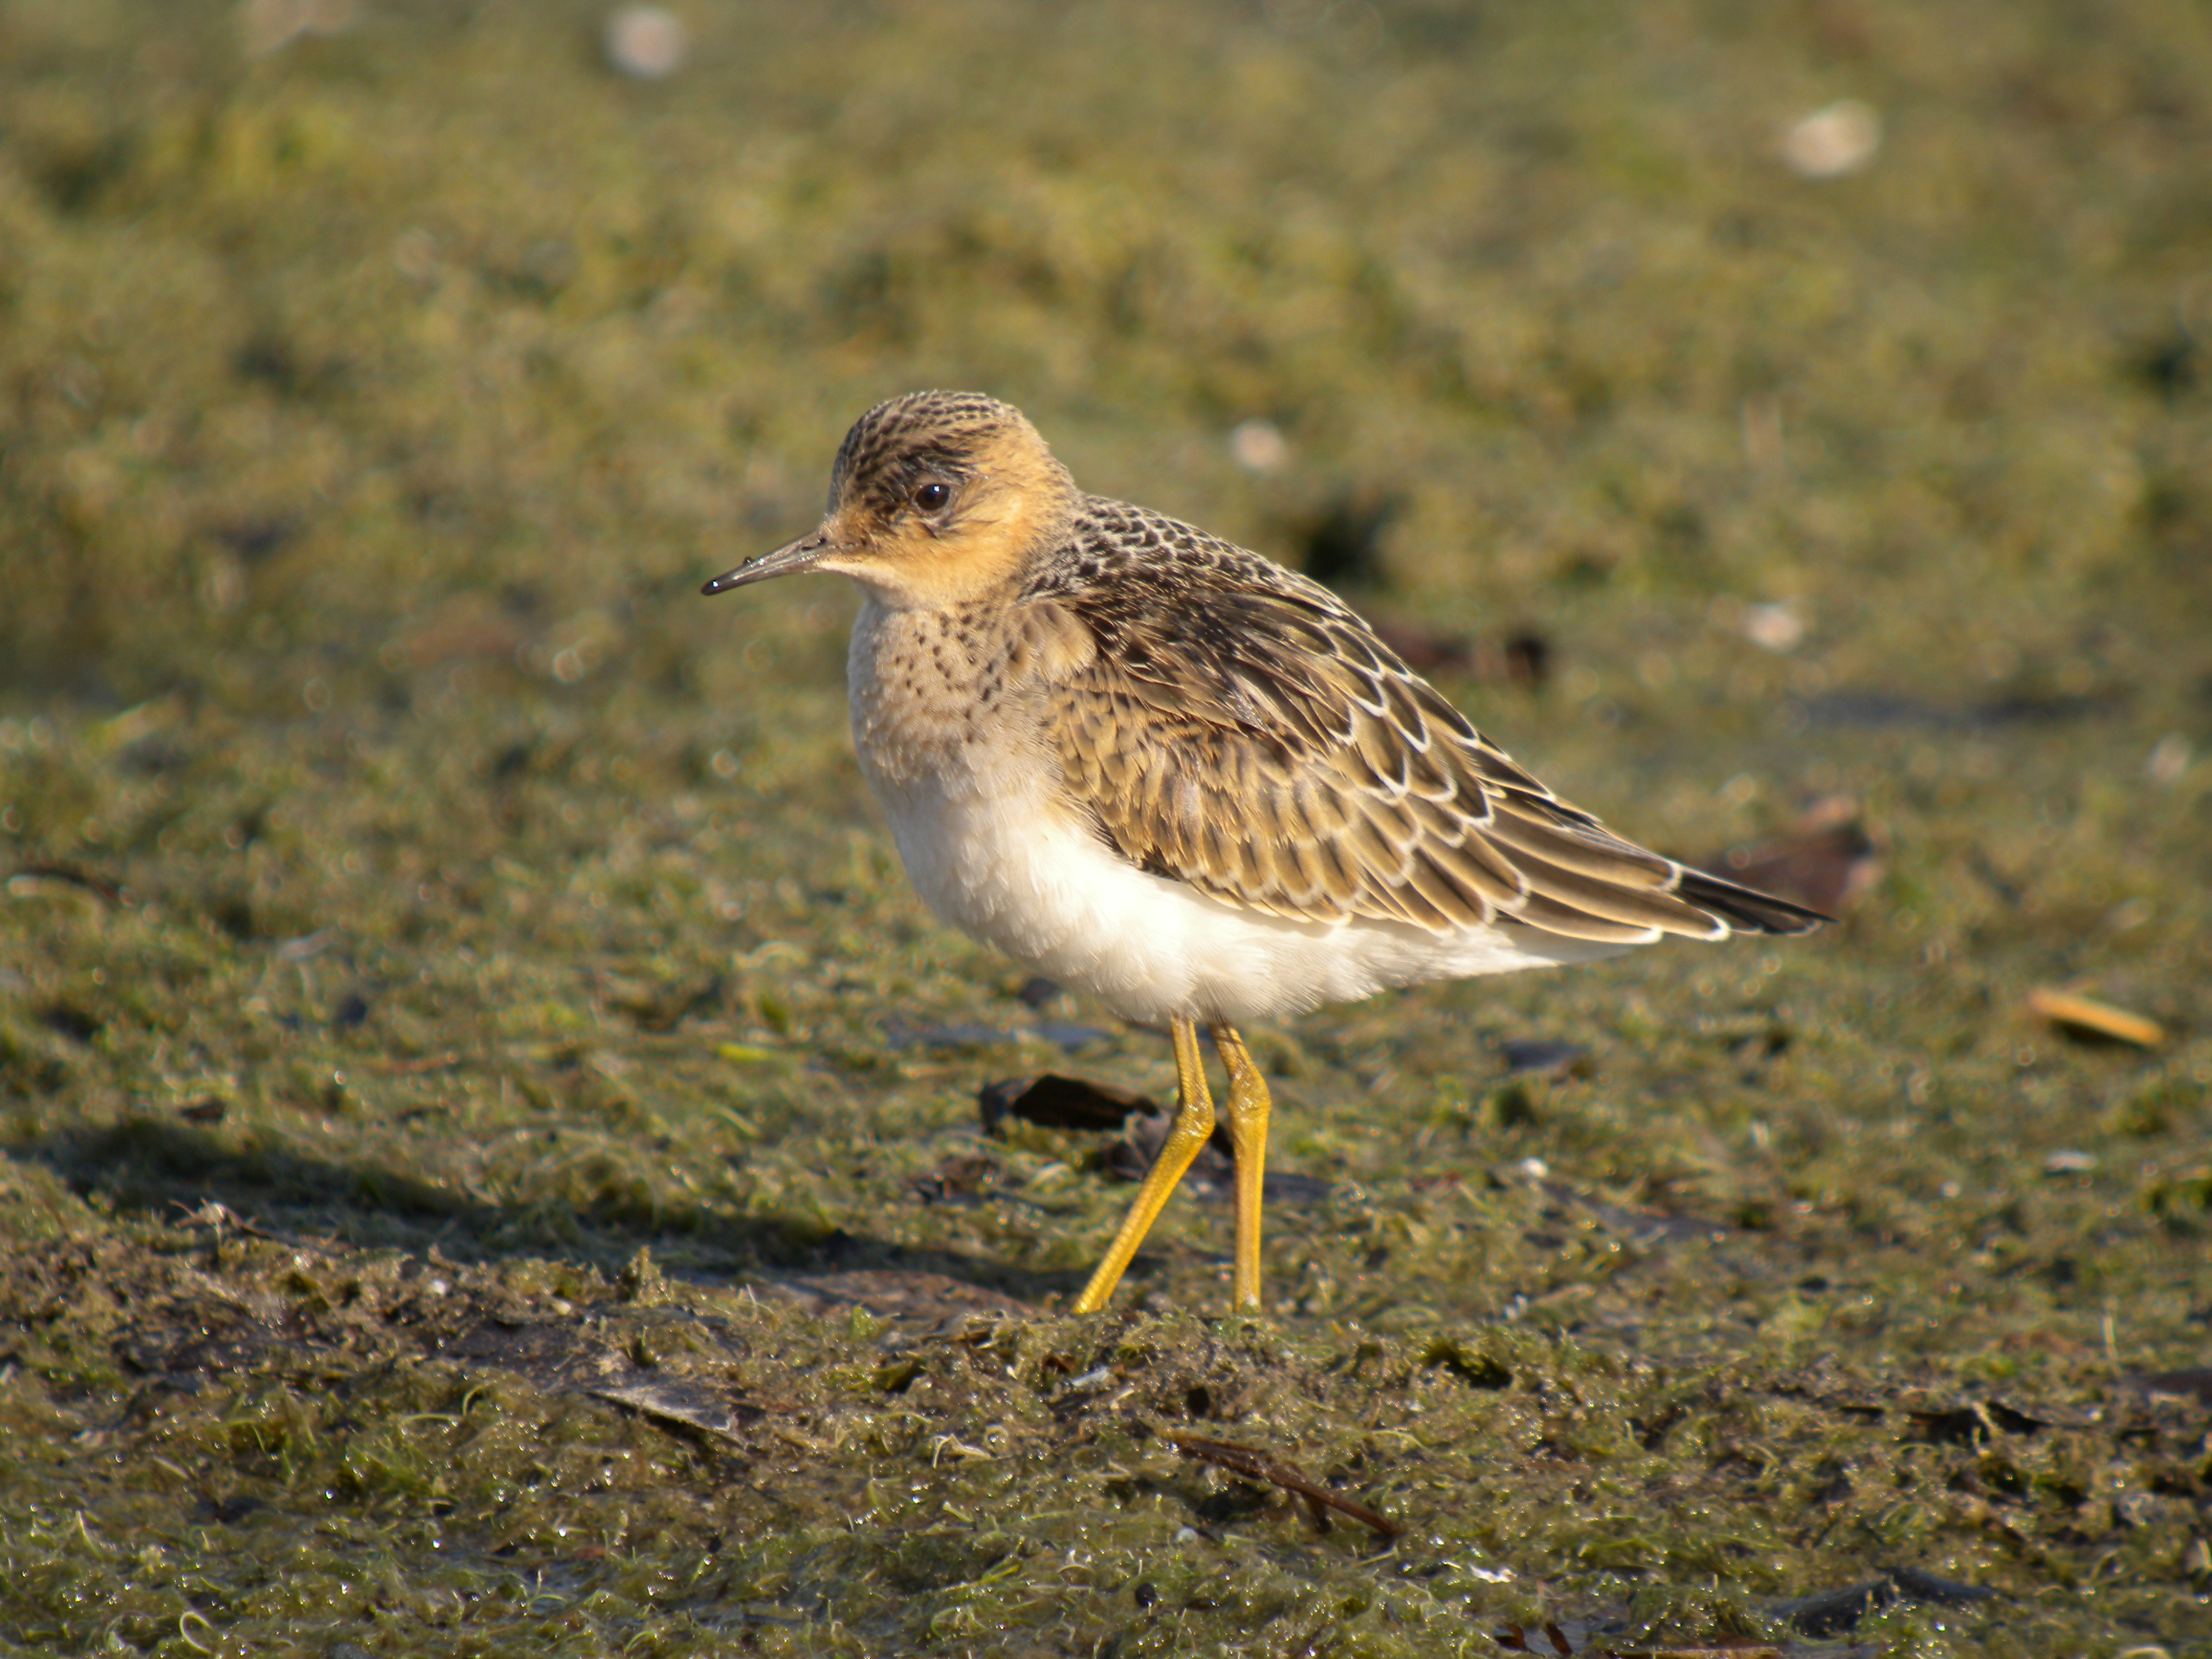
(1235, 726)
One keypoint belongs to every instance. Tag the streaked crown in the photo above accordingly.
(904, 442)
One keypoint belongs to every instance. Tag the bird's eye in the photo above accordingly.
(931, 496)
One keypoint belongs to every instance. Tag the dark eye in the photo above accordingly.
(931, 496)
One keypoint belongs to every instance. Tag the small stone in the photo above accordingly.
(2169, 759)
(1776, 628)
(269, 24)
(1836, 139)
(1535, 1054)
(648, 43)
(1258, 446)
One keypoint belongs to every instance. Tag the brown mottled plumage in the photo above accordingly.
(1310, 773)
(1164, 769)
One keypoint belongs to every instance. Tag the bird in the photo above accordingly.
(1160, 768)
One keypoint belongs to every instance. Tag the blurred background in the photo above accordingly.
(1787, 427)
(334, 325)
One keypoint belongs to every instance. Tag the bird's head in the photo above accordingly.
(937, 498)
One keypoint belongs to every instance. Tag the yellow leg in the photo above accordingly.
(1193, 1127)
(1248, 1132)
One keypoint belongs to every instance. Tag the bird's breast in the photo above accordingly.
(947, 736)
(922, 691)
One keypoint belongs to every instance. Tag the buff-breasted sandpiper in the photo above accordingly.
(1162, 770)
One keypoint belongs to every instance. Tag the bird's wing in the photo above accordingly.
(1237, 727)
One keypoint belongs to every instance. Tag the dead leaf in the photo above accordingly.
(1827, 858)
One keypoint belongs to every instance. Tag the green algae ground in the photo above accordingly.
(493, 1155)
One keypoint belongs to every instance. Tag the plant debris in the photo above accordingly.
(1256, 1464)
(1053, 1102)
(1828, 858)
(2086, 1017)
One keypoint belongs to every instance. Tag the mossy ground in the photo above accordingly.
(417, 902)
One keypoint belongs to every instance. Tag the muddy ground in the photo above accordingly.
(494, 1152)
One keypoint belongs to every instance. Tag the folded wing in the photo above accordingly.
(1238, 728)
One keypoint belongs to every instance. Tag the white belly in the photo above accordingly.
(1017, 873)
